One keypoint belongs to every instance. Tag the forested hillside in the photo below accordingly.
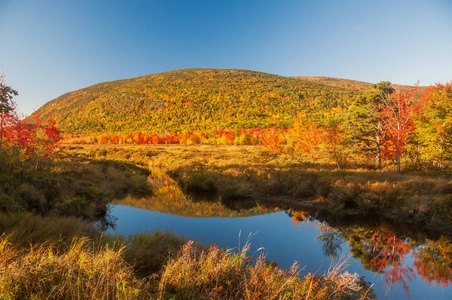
(193, 99)
(321, 117)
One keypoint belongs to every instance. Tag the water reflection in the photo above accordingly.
(169, 198)
(330, 238)
(403, 257)
(384, 252)
(433, 261)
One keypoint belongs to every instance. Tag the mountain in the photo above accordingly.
(193, 99)
(352, 84)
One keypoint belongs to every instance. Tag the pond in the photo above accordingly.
(401, 265)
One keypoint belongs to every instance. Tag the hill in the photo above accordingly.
(351, 84)
(338, 82)
(193, 99)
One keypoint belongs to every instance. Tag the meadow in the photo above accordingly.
(51, 248)
(245, 176)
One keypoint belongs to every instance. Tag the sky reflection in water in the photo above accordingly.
(399, 268)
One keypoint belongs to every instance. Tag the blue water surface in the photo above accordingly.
(282, 240)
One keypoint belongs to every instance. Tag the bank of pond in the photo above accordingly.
(179, 222)
(400, 262)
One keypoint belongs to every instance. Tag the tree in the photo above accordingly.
(335, 137)
(434, 124)
(306, 136)
(365, 112)
(334, 140)
(46, 136)
(397, 111)
(272, 140)
(7, 108)
(37, 141)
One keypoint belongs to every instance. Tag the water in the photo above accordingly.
(403, 268)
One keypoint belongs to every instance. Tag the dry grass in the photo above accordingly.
(84, 271)
(24, 229)
(219, 274)
(61, 263)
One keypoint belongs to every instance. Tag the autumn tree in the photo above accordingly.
(272, 140)
(36, 141)
(397, 112)
(333, 140)
(434, 124)
(46, 137)
(335, 136)
(7, 108)
(306, 136)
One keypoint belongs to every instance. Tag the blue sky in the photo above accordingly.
(50, 47)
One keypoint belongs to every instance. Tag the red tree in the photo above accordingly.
(8, 115)
(37, 140)
(397, 113)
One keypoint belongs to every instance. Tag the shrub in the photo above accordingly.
(33, 196)
(11, 204)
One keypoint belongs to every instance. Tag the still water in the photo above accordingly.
(398, 266)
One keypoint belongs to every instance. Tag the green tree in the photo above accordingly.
(335, 136)
(369, 127)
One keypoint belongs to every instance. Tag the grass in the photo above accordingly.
(245, 177)
(77, 262)
(24, 229)
(81, 272)
(51, 249)
(70, 186)
(220, 274)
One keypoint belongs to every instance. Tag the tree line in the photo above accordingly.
(384, 124)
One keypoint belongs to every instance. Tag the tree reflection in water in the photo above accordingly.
(383, 251)
(379, 250)
(169, 198)
(433, 261)
(331, 240)
(387, 254)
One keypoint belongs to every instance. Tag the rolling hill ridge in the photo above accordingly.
(193, 99)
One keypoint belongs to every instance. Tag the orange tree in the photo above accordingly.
(272, 140)
(335, 136)
(306, 136)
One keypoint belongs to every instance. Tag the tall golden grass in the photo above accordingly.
(64, 263)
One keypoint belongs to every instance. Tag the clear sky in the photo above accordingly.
(50, 47)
